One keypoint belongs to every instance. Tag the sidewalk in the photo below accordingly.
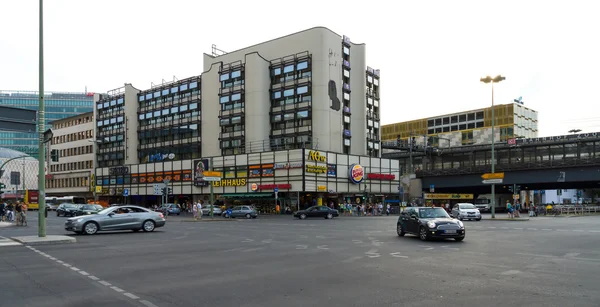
(6, 224)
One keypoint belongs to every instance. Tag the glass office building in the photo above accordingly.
(58, 106)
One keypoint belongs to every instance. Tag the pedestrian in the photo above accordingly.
(509, 209)
(195, 212)
(199, 209)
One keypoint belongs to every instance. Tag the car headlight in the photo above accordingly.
(460, 223)
(431, 224)
(79, 220)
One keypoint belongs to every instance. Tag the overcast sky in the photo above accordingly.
(431, 53)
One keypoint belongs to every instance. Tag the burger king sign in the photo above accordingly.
(356, 173)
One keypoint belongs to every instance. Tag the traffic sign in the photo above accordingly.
(125, 192)
(157, 190)
(212, 174)
(276, 189)
(492, 176)
(431, 188)
(491, 181)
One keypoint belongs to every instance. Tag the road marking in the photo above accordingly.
(60, 261)
(531, 228)
(252, 249)
(352, 259)
(247, 241)
(131, 296)
(504, 227)
(320, 237)
(577, 230)
(301, 246)
(536, 255)
(117, 289)
(74, 269)
(67, 265)
(398, 255)
(357, 241)
(518, 228)
(372, 253)
(546, 229)
(562, 230)
(267, 241)
(569, 255)
(145, 302)
(106, 283)
(92, 277)
(323, 247)
(84, 273)
(593, 230)
(492, 227)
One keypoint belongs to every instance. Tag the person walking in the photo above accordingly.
(199, 209)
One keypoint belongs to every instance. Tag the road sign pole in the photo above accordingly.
(41, 129)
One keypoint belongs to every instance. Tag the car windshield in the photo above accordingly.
(87, 207)
(467, 206)
(430, 213)
(98, 207)
(70, 206)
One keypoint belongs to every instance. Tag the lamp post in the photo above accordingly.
(41, 131)
(493, 80)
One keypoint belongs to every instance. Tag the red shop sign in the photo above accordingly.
(381, 176)
(283, 186)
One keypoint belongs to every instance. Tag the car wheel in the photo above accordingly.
(90, 228)
(248, 215)
(459, 218)
(148, 226)
(459, 239)
(329, 216)
(255, 217)
(400, 231)
(302, 216)
(423, 234)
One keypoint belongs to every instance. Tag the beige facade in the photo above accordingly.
(72, 174)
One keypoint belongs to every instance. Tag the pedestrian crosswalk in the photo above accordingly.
(8, 242)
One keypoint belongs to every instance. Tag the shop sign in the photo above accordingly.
(119, 170)
(287, 165)
(316, 156)
(316, 169)
(447, 196)
(230, 183)
(151, 178)
(254, 187)
(331, 170)
(356, 173)
(282, 186)
(322, 188)
(199, 167)
(375, 176)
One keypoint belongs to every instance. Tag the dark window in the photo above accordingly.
(479, 124)
(479, 115)
(438, 130)
(471, 116)
(462, 118)
(454, 128)
(430, 123)
(471, 126)
(446, 120)
(431, 131)
(454, 119)
(438, 121)
(446, 129)
(462, 127)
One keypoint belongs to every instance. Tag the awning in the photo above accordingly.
(248, 195)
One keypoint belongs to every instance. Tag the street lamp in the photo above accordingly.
(493, 80)
(96, 142)
(574, 131)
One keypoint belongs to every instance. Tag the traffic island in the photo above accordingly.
(35, 240)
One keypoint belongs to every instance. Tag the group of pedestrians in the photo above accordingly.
(14, 213)
(367, 209)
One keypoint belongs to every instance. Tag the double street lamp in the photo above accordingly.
(493, 80)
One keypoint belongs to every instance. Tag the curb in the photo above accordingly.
(34, 240)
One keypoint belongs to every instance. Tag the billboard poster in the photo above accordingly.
(199, 167)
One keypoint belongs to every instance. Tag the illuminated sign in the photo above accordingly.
(316, 169)
(159, 177)
(381, 176)
(230, 183)
(322, 188)
(287, 165)
(316, 156)
(447, 196)
(356, 173)
(282, 186)
(254, 187)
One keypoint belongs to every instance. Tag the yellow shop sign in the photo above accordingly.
(316, 156)
(448, 196)
(230, 183)
(316, 169)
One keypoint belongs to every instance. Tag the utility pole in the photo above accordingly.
(41, 129)
(410, 158)
(212, 195)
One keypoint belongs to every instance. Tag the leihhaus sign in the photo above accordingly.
(230, 183)
(375, 176)
(316, 156)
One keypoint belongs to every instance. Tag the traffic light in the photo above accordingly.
(54, 155)
(169, 191)
(163, 191)
(510, 188)
(413, 142)
(2, 186)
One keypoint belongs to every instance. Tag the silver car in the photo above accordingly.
(116, 218)
(243, 211)
(466, 211)
(216, 210)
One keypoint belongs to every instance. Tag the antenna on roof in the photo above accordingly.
(216, 51)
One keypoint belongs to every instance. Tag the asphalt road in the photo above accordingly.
(278, 261)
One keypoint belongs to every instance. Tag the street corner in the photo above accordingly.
(47, 240)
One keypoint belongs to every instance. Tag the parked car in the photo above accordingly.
(88, 209)
(216, 210)
(51, 206)
(67, 209)
(483, 207)
(427, 223)
(243, 211)
(466, 211)
(170, 208)
(116, 218)
(317, 211)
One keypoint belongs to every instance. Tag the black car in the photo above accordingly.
(429, 223)
(67, 210)
(317, 211)
(88, 209)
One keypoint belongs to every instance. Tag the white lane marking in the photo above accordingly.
(577, 230)
(324, 247)
(492, 227)
(518, 228)
(106, 283)
(398, 255)
(247, 241)
(504, 227)
(546, 229)
(117, 289)
(562, 230)
(301, 246)
(593, 230)
(92, 277)
(60, 261)
(352, 259)
(532, 229)
(320, 237)
(67, 265)
(252, 249)
(84, 273)
(145, 302)
(372, 253)
(511, 272)
(357, 241)
(267, 241)
(569, 255)
(74, 269)
(131, 296)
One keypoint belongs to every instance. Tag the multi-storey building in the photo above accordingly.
(73, 140)
(58, 106)
(290, 114)
(18, 174)
(467, 128)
